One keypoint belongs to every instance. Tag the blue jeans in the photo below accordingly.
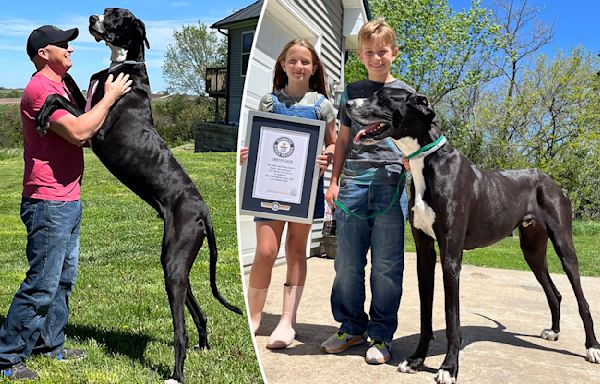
(39, 311)
(384, 234)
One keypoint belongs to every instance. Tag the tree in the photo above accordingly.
(523, 36)
(196, 48)
(439, 50)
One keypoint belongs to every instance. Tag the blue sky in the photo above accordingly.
(576, 23)
(19, 18)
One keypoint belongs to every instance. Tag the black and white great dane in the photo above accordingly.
(464, 207)
(133, 151)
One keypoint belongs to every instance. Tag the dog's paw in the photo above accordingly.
(593, 355)
(202, 345)
(444, 377)
(550, 335)
(172, 381)
(405, 367)
(410, 365)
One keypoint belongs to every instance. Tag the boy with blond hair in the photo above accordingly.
(370, 214)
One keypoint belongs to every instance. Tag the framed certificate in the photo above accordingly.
(279, 180)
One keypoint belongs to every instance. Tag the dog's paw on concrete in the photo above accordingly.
(444, 377)
(550, 335)
(593, 355)
(405, 367)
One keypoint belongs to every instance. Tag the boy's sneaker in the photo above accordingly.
(18, 371)
(378, 353)
(71, 354)
(340, 341)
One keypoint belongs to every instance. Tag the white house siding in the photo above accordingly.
(321, 22)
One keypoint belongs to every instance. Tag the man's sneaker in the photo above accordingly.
(71, 354)
(18, 371)
(378, 353)
(340, 341)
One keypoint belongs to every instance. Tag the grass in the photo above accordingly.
(506, 254)
(119, 309)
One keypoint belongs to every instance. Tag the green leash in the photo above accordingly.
(396, 197)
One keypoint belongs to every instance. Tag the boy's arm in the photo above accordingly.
(344, 139)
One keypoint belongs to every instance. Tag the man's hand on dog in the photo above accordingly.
(116, 87)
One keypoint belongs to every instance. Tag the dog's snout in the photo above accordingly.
(94, 19)
(350, 104)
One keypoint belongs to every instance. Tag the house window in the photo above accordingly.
(247, 38)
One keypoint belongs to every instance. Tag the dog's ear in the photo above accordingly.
(142, 30)
(421, 103)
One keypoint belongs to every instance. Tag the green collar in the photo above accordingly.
(429, 148)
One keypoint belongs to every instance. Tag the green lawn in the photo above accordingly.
(119, 310)
(506, 254)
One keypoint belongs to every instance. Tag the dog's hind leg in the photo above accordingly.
(562, 239)
(176, 269)
(199, 318)
(426, 259)
(534, 243)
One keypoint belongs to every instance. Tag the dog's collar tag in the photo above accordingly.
(429, 148)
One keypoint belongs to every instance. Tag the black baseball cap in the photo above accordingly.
(48, 34)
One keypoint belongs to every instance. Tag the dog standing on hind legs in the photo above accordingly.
(463, 207)
(131, 149)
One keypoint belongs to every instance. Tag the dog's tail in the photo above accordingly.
(212, 247)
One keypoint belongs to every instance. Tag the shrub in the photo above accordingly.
(175, 116)
(10, 126)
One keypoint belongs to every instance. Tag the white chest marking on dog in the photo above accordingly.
(171, 381)
(424, 216)
(118, 54)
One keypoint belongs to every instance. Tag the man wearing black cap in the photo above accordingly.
(50, 206)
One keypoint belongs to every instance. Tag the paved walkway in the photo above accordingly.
(502, 315)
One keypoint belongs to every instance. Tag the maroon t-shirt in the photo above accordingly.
(53, 166)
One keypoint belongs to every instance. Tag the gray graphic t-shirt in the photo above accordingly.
(370, 164)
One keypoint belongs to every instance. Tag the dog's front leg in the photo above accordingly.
(53, 103)
(74, 91)
(451, 258)
(426, 276)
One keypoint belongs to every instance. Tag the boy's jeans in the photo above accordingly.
(39, 311)
(384, 234)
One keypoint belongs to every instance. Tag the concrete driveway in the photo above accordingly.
(502, 315)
